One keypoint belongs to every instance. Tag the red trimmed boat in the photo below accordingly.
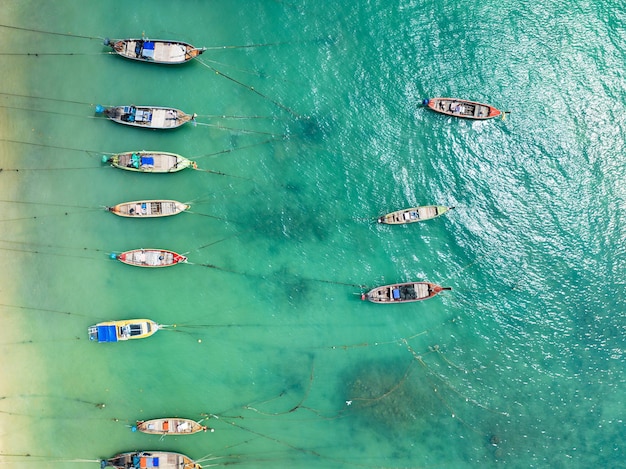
(150, 257)
(403, 292)
(150, 459)
(462, 108)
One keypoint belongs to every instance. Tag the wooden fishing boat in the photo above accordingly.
(155, 50)
(150, 257)
(125, 329)
(148, 208)
(462, 108)
(415, 214)
(149, 161)
(148, 117)
(150, 459)
(169, 426)
(403, 292)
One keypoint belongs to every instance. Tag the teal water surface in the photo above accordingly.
(304, 137)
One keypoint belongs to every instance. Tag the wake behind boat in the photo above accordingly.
(149, 161)
(169, 426)
(150, 258)
(148, 117)
(148, 208)
(462, 108)
(403, 292)
(154, 50)
(150, 459)
(124, 329)
(415, 214)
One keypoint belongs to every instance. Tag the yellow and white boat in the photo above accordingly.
(124, 329)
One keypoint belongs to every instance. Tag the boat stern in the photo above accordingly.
(93, 333)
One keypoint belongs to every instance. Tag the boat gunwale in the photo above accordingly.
(493, 111)
(183, 258)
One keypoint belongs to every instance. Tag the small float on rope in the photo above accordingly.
(403, 292)
(156, 51)
(462, 108)
(147, 117)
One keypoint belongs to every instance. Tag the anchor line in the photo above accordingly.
(50, 32)
(45, 98)
(282, 106)
(39, 54)
(90, 152)
(243, 131)
(46, 112)
(248, 46)
(230, 150)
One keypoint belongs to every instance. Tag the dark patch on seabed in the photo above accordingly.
(311, 130)
(387, 397)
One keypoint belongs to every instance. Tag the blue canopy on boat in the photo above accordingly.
(107, 334)
(396, 293)
(148, 45)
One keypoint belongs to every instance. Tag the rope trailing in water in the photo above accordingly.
(230, 150)
(251, 88)
(90, 152)
(45, 98)
(47, 112)
(248, 46)
(78, 36)
(243, 131)
(39, 54)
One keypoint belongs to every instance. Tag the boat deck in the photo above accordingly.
(150, 258)
(157, 162)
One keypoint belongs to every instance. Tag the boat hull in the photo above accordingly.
(125, 329)
(148, 208)
(149, 162)
(150, 459)
(147, 117)
(151, 258)
(403, 292)
(155, 51)
(170, 426)
(413, 215)
(462, 108)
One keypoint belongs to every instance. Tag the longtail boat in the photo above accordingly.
(403, 292)
(148, 117)
(169, 426)
(150, 459)
(148, 208)
(415, 214)
(150, 257)
(154, 50)
(149, 161)
(125, 329)
(462, 108)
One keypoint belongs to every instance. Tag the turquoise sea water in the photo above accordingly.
(317, 129)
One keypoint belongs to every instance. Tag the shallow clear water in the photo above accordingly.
(306, 137)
